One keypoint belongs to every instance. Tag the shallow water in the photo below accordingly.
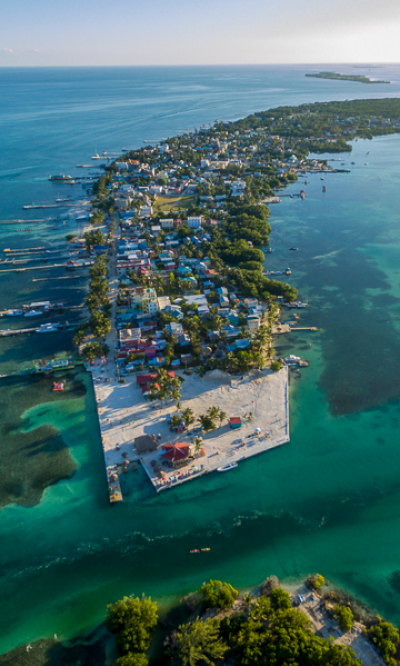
(327, 501)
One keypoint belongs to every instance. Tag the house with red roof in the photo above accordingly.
(177, 454)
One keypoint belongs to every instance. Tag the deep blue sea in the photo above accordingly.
(329, 500)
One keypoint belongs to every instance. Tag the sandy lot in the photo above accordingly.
(124, 414)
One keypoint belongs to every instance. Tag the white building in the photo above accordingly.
(167, 223)
(122, 204)
(145, 211)
(194, 222)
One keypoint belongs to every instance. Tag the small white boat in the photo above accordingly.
(226, 468)
(14, 313)
(33, 313)
(96, 156)
(47, 328)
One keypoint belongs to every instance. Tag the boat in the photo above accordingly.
(33, 313)
(58, 386)
(13, 313)
(293, 248)
(268, 250)
(228, 467)
(323, 188)
(104, 152)
(195, 551)
(96, 156)
(47, 328)
(60, 177)
(205, 550)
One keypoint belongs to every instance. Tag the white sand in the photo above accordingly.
(124, 414)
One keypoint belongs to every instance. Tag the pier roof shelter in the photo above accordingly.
(146, 443)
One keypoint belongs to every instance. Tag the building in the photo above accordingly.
(235, 422)
(163, 302)
(144, 300)
(176, 454)
(145, 211)
(194, 222)
(129, 338)
(122, 204)
(168, 223)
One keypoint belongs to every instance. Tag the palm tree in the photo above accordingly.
(259, 360)
(270, 352)
(221, 416)
(198, 444)
(213, 412)
(176, 420)
(178, 405)
(188, 416)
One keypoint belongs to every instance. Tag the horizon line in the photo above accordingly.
(255, 64)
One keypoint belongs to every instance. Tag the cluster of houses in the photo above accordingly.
(143, 334)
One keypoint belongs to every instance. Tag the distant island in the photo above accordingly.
(344, 77)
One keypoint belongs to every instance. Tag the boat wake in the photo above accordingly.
(330, 254)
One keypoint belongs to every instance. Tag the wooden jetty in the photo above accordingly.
(24, 331)
(305, 328)
(47, 267)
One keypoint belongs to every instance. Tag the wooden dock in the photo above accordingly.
(305, 328)
(114, 486)
(47, 267)
(25, 331)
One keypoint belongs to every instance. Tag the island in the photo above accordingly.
(182, 312)
(345, 77)
(310, 623)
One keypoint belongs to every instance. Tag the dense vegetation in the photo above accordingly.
(344, 77)
(258, 631)
(99, 308)
(386, 638)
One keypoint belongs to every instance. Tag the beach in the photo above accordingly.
(259, 398)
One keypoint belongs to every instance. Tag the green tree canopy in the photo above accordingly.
(132, 620)
(199, 641)
(217, 594)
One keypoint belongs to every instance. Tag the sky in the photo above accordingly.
(190, 32)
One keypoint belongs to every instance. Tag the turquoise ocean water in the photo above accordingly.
(329, 500)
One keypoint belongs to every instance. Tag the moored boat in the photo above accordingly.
(47, 328)
(13, 313)
(60, 177)
(33, 313)
(228, 467)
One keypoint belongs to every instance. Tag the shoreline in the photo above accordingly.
(100, 643)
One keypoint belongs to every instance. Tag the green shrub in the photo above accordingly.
(344, 617)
